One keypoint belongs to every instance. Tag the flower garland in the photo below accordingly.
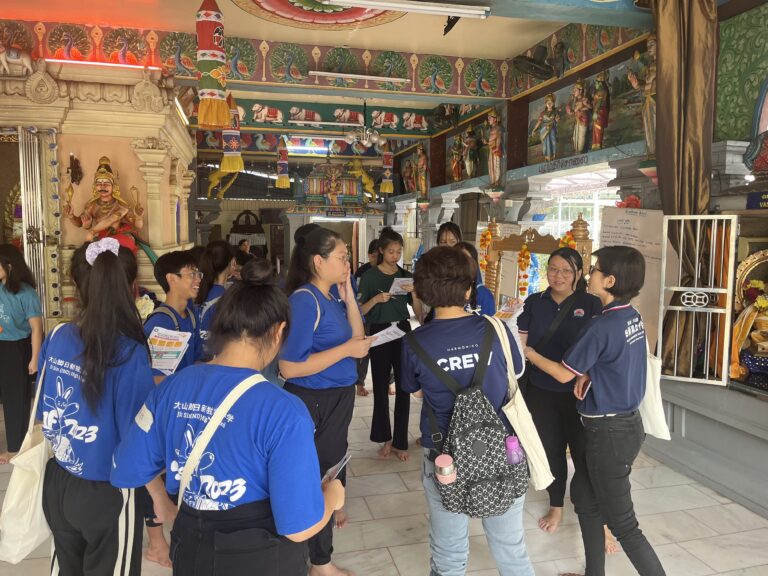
(485, 242)
(630, 201)
(754, 293)
(523, 263)
(567, 241)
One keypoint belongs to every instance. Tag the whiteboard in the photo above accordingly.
(643, 230)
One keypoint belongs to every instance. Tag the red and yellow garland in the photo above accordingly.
(567, 240)
(523, 263)
(485, 242)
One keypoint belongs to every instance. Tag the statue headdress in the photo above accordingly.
(550, 97)
(104, 172)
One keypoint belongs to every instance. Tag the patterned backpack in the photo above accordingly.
(486, 484)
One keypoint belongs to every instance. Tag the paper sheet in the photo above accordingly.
(397, 286)
(387, 335)
(167, 348)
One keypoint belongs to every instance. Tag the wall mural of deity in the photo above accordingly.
(314, 14)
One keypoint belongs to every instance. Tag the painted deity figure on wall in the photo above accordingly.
(106, 213)
(601, 108)
(495, 142)
(456, 157)
(646, 83)
(409, 177)
(580, 107)
(547, 127)
(422, 172)
(469, 143)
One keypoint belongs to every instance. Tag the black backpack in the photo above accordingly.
(486, 484)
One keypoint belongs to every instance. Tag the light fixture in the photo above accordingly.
(420, 7)
(363, 134)
(347, 76)
(105, 64)
(322, 123)
(308, 149)
(319, 136)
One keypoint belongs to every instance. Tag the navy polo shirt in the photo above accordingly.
(539, 311)
(613, 351)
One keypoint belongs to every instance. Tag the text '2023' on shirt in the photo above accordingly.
(303, 339)
(613, 351)
(84, 441)
(264, 448)
(455, 345)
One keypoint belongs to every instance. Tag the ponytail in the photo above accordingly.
(317, 242)
(216, 259)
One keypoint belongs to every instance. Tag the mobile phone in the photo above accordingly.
(333, 472)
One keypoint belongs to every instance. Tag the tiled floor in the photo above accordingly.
(695, 531)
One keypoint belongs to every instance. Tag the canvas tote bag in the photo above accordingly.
(520, 418)
(651, 408)
(22, 523)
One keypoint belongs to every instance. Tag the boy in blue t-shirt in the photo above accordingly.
(178, 276)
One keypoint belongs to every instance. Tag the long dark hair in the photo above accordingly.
(388, 236)
(217, 257)
(450, 228)
(108, 311)
(252, 308)
(318, 242)
(576, 264)
(472, 251)
(16, 270)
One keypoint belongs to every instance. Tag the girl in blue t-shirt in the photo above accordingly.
(216, 264)
(95, 376)
(609, 363)
(318, 359)
(21, 333)
(255, 496)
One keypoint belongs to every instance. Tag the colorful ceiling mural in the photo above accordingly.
(313, 14)
(572, 46)
(265, 143)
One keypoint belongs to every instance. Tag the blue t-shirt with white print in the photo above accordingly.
(84, 440)
(304, 340)
(206, 312)
(188, 324)
(455, 345)
(264, 448)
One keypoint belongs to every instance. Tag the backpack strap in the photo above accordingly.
(165, 311)
(317, 320)
(192, 318)
(566, 307)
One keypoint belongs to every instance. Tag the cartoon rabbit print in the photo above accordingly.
(57, 421)
(194, 499)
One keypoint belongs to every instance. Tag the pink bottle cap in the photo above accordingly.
(445, 469)
(444, 461)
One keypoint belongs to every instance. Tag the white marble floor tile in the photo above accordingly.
(412, 480)
(357, 510)
(376, 562)
(401, 504)
(374, 484)
(672, 527)
(669, 499)
(658, 476)
(706, 490)
(385, 532)
(537, 509)
(729, 518)
(731, 551)
(543, 546)
(753, 571)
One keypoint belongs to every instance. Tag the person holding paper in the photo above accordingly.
(95, 375)
(318, 360)
(382, 309)
(255, 495)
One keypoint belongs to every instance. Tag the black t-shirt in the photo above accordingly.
(362, 270)
(539, 312)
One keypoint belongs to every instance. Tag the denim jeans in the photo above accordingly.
(601, 493)
(449, 535)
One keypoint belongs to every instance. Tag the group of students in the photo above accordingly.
(256, 495)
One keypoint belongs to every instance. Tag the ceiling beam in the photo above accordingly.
(618, 13)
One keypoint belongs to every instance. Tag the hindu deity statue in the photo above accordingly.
(106, 213)
(646, 83)
(469, 142)
(580, 107)
(547, 126)
(495, 142)
(601, 107)
(422, 171)
(456, 153)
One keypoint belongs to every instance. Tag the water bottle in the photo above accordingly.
(515, 453)
(445, 469)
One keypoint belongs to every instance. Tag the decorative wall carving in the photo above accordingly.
(146, 96)
(40, 87)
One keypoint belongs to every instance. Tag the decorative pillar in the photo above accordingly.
(493, 270)
(187, 177)
(152, 154)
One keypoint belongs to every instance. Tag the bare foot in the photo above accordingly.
(611, 546)
(340, 519)
(158, 550)
(402, 455)
(418, 441)
(361, 391)
(385, 450)
(392, 390)
(329, 570)
(5, 457)
(550, 522)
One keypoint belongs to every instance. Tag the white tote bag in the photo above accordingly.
(652, 408)
(22, 523)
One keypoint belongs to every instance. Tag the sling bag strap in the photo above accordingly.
(317, 305)
(213, 424)
(449, 382)
(566, 307)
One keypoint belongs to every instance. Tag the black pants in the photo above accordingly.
(331, 412)
(96, 527)
(601, 493)
(15, 356)
(240, 541)
(559, 426)
(385, 359)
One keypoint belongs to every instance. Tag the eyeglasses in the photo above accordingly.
(344, 258)
(594, 268)
(564, 272)
(194, 274)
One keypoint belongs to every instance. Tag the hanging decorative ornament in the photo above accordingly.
(283, 177)
(387, 164)
(230, 141)
(485, 243)
(523, 263)
(213, 112)
(568, 241)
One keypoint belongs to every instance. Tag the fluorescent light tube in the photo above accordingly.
(317, 136)
(324, 123)
(346, 76)
(461, 10)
